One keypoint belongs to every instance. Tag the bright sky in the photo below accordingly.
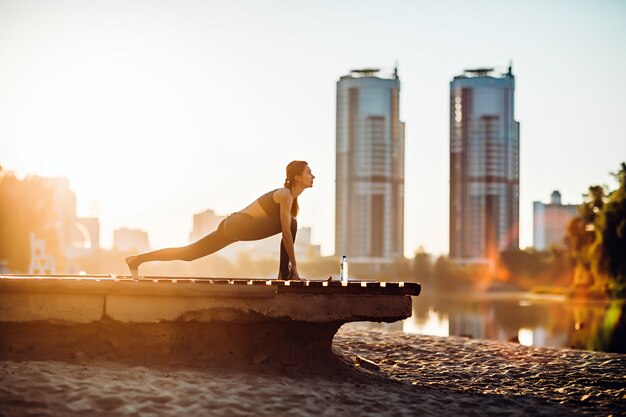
(156, 110)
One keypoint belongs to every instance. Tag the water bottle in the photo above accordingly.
(343, 269)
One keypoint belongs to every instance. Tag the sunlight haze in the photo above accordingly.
(156, 110)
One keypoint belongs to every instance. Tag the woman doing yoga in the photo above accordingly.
(272, 213)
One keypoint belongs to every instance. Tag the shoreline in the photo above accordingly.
(425, 375)
(565, 294)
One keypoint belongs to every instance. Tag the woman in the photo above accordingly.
(270, 214)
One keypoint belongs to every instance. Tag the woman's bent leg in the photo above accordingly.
(244, 227)
(284, 257)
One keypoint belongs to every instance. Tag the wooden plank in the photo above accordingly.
(143, 287)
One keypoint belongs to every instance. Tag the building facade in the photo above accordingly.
(130, 240)
(204, 223)
(484, 165)
(550, 222)
(369, 217)
(78, 236)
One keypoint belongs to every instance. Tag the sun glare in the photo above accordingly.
(434, 324)
(525, 336)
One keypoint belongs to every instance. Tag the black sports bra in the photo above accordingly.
(269, 206)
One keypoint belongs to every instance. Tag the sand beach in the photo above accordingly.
(415, 375)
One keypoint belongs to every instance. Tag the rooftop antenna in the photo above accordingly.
(395, 71)
(510, 67)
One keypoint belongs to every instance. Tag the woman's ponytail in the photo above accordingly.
(294, 168)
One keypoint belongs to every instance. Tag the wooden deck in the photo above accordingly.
(117, 283)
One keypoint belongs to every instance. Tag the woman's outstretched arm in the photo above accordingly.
(285, 201)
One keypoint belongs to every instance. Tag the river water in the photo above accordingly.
(530, 319)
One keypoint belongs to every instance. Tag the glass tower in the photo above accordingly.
(484, 165)
(369, 218)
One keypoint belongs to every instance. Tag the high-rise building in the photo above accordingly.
(369, 217)
(484, 165)
(78, 236)
(204, 223)
(130, 240)
(550, 222)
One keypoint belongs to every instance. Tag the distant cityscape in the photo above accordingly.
(484, 170)
(369, 194)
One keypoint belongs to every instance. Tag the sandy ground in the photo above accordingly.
(418, 375)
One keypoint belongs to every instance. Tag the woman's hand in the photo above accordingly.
(293, 274)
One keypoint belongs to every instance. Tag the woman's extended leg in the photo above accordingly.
(209, 244)
(284, 257)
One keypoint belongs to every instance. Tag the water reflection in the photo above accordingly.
(529, 319)
(434, 324)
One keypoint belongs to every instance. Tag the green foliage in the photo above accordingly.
(528, 269)
(605, 334)
(612, 226)
(25, 206)
(523, 269)
(597, 239)
(524, 262)
(450, 276)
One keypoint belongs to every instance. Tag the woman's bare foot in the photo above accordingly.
(132, 265)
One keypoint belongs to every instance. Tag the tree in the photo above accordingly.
(584, 239)
(422, 265)
(612, 225)
(522, 262)
(597, 238)
(25, 206)
(530, 268)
